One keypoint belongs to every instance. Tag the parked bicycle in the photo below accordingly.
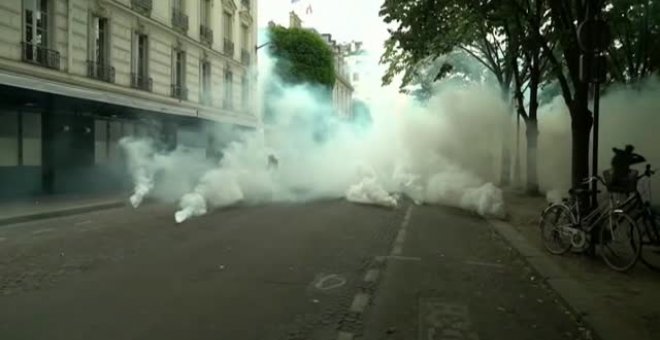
(638, 206)
(565, 226)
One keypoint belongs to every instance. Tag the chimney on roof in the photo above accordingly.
(294, 20)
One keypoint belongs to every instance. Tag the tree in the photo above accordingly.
(430, 29)
(635, 52)
(486, 30)
(302, 57)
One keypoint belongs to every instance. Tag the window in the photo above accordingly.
(30, 138)
(37, 34)
(179, 74)
(245, 92)
(229, 26)
(205, 94)
(100, 41)
(8, 138)
(140, 65)
(206, 13)
(142, 54)
(106, 141)
(99, 49)
(229, 89)
(20, 138)
(179, 17)
(245, 37)
(37, 22)
(356, 76)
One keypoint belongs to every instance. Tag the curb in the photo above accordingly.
(596, 313)
(61, 212)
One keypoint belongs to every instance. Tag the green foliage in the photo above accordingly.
(302, 56)
(428, 29)
(635, 51)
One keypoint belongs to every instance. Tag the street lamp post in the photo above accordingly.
(594, 37)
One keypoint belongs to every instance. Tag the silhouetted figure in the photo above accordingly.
(623, 179)
(272, 162)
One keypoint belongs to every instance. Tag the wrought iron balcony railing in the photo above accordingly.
(100, 71)
(179, 20)
(142, 6)
(40, 55)
(229, 47)
(141, 82)
(180, 92)
(205, 34)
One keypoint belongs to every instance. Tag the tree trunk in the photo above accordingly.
(505, 179)
(532, 151)
(581, 122)
(532, 122)
(505, 173)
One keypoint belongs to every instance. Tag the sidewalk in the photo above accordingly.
(57, 205)
(626, 303)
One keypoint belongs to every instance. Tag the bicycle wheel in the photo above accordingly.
(621, 242)
(650, 255)
(553, 221)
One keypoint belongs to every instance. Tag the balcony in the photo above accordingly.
(180, 92)
(245, 57)
(179, 20)
(142, 6)
(100, 71)
(40, 55)
(141, 82)
(229, 47)
(206, 35)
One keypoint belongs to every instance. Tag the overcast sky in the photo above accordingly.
(346, 20)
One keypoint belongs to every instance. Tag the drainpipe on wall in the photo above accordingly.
(69, 40)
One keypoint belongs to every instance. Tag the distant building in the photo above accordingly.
(78, 75)
(362, 73)
(342, 91)
(342, 94)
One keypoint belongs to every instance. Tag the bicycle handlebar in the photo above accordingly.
(589, 180)
(648, 172)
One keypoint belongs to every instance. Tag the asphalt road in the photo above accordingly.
(324, 270)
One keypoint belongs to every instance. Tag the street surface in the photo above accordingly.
(323, 270)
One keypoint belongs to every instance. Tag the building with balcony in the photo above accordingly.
(78, 75)
(342, 93)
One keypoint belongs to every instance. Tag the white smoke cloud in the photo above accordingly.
(445, 152)
(628, 115)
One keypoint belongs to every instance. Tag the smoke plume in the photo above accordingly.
(443, 152)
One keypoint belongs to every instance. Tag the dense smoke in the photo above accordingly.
(444, 152)
(628, 115)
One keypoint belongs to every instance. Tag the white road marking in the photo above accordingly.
(328, 282)
(371, 275)
(402, 258)
(345, 336)
(484, 264)
(83, 222)
(401, 236)
(360, 301)
(440, 320)
(42, 231)
(397, 247)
